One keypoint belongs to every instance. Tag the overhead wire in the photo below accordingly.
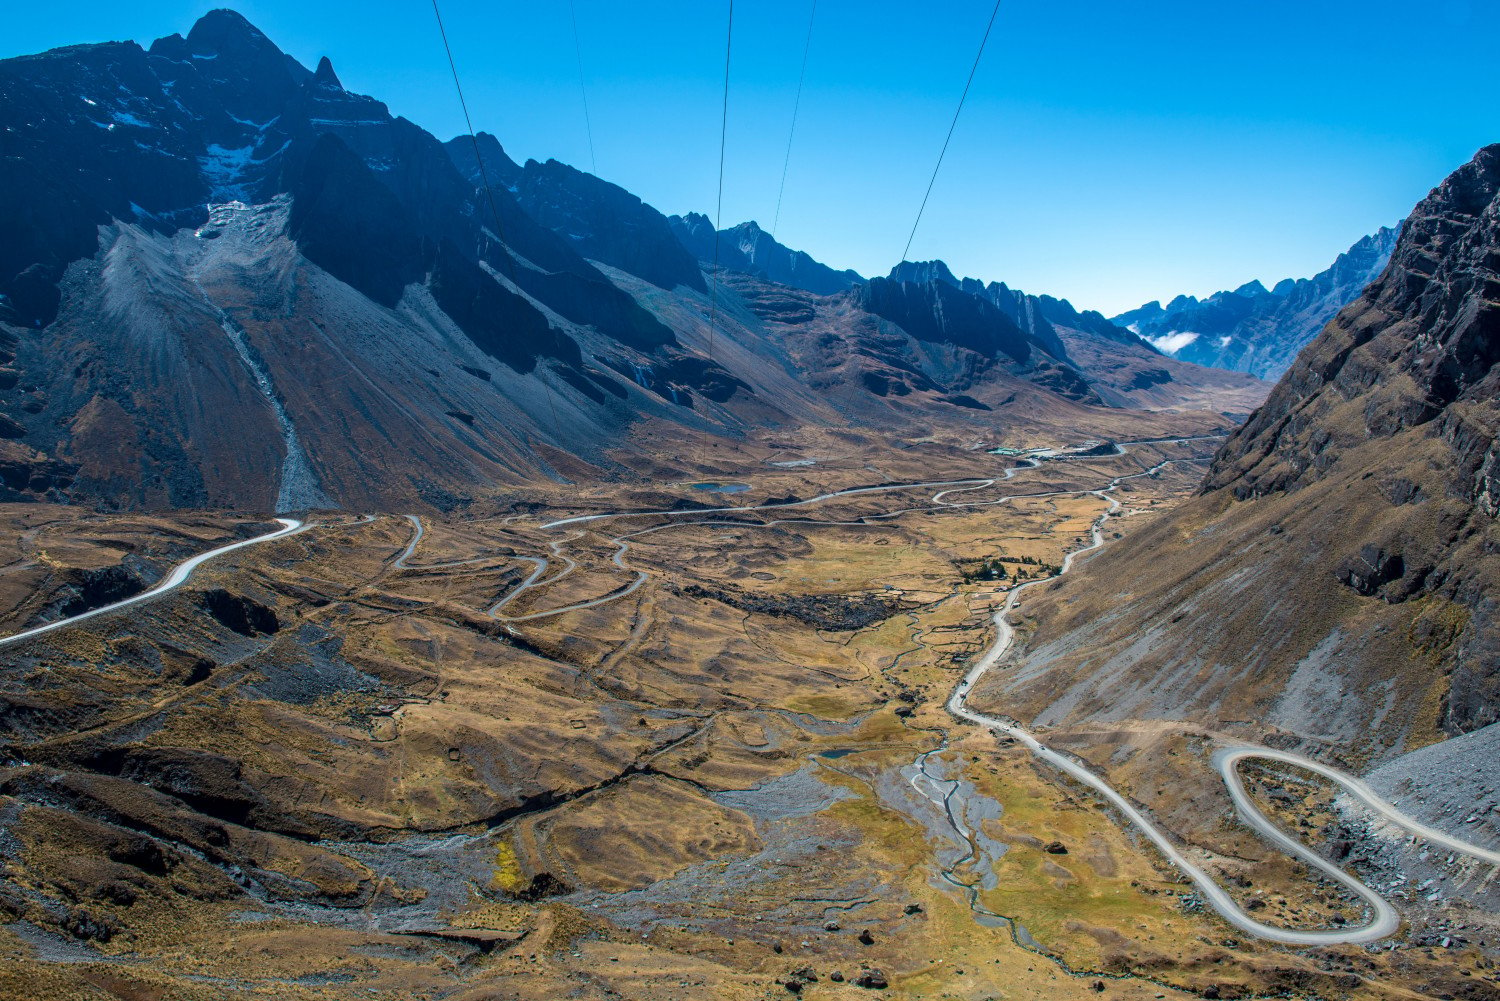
(713, 318)
(583, 87)
(489, 193)
(954, 124)
(796, 106)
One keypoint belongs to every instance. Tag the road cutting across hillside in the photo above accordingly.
(1384, 920)
(178, 576)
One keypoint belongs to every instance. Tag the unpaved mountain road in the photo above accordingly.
(178, 576)
(1384, 920)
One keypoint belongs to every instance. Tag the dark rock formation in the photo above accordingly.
(243, 615)
(749, 248)
(97, 588)
(934, 309)
(604, 222)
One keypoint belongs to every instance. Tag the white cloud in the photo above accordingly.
(1173, 341)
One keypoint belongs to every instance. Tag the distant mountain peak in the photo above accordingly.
(226, 30)
(1255, 330)
(748, 248)
(325, 76)
(923, 271)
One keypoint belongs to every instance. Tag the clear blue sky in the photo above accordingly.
(1110, 152)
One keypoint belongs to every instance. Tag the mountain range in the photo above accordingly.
(1258, 330)
(702, 620)
(232, 282)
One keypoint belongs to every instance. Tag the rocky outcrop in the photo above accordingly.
(605, 223)
(931, 308)
(1416, 351)
(1333, 585)
(750, 249)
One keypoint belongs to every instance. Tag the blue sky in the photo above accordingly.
(1109, 152)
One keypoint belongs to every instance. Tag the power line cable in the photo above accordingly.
(583, 87)
(713, 318)
(972, 70)
(489, 193)
(796, 106)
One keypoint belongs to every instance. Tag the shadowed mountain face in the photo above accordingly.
(1117, 368)
(1337, 578)
(602, 221)
(749, 248)
(1257, 330)
(229, 282)
(938, 312)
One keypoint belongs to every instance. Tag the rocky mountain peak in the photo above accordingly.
(324, 76)
(750, 249)
(226, 35)
(1422, 339)
(923, 271)
(1255, 330)
(225, 30)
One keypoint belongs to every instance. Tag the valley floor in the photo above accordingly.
(576, 747)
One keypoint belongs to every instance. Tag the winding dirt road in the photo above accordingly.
(179, 575)
(1383, 918)
(1383, 921)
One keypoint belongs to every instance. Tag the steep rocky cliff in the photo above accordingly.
(749, 248)
(602, 221)
(1336, 582)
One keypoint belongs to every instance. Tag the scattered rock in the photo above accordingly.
(243, 615)
(1055, 848)
(866, 938)
(822, 611)
(543, 884)
(102, 586)
(874, 980)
